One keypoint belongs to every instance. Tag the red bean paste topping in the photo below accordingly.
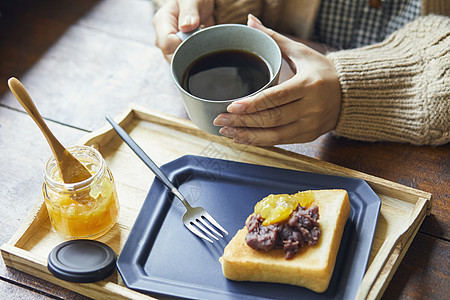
(299, 230)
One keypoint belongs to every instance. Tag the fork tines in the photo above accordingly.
(200, 226)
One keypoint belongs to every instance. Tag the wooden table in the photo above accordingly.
(83, 59)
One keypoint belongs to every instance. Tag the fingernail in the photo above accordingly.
(226, 131)
(221, 121)
(255, 19)
(254, 22)
(236, 107)
(187, 21)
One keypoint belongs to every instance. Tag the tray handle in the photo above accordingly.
(391, 253)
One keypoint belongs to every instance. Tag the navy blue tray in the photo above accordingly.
(161, 257)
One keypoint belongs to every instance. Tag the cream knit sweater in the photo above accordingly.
(397, 90)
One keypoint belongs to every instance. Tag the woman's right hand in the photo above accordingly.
(180, 15)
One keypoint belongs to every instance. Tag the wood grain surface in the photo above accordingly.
(88, 58)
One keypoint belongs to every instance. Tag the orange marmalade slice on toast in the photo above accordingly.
(277, 208)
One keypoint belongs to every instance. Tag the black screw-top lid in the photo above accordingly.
(82, 261)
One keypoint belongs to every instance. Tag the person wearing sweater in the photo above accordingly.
(387, 78)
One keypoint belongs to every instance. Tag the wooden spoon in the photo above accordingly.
(71, 169)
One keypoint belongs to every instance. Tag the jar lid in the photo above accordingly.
(82, 261)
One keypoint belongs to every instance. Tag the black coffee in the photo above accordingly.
(224, 75)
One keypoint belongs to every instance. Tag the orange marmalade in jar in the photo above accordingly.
(86, 209)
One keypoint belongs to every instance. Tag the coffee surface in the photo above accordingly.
(225, 75)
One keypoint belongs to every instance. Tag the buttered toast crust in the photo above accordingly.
(311, 267)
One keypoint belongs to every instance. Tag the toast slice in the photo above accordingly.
(311, 267)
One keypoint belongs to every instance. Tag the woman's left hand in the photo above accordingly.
(299, 109)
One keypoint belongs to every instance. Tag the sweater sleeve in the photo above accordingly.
(398, 90)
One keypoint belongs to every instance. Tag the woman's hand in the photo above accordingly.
(180, 15)
(298, 110)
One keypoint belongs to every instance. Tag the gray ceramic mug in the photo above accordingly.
(217, 38)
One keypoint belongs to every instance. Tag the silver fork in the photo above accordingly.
(195, 218)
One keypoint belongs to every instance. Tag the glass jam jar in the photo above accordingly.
(86, 209)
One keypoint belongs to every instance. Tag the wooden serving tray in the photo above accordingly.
(166, 138)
